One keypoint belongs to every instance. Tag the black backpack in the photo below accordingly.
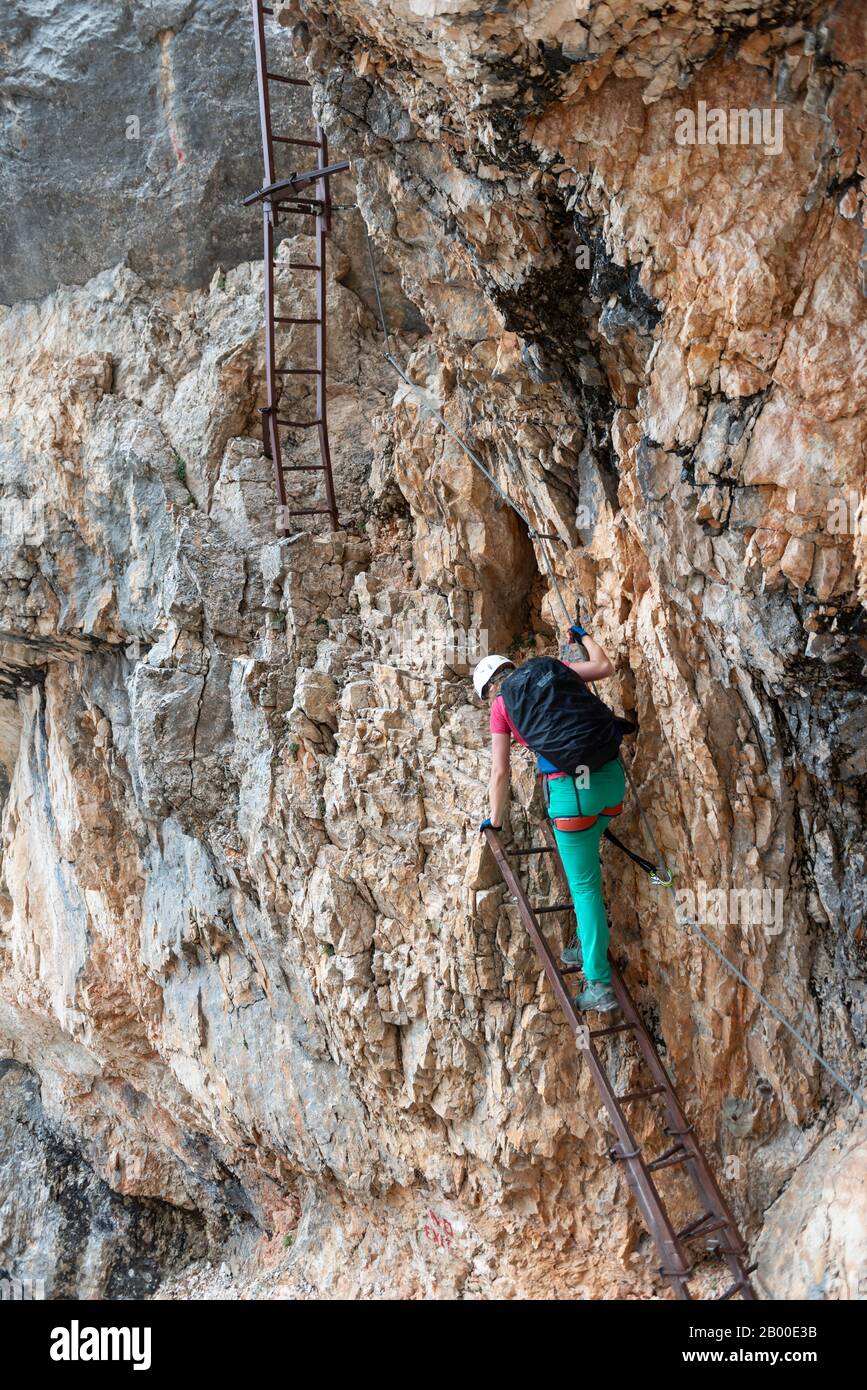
(559, 716)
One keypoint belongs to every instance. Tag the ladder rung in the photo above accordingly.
(297, 371)
(285, 318)
(667, 1160)
(641, 1095)
(310, 511)
(696, 1229)
(719, 1225)
(669, 1163)
(571, 969)
(694, 1225)
(555, 907)
(293, 81)
(266, 9)
(293, 140)
(305, 468)
(297, 424)
(612, 1028)
(302, 265)
(536, 849)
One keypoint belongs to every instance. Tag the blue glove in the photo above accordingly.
(578, 631)
(488, 825)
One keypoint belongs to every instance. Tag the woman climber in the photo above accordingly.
(546, 705)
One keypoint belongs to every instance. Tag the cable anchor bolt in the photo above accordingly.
(658, 881)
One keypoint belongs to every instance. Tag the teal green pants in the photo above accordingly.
(579, 850)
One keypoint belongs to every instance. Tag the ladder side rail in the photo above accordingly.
(549, 965)
(678, 1124)
(264, 94)
(699, 1171)
(733, 1248)
(270, 432)
(323, 227)
(675, 1264)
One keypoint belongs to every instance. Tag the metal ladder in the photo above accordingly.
(279, 198)
(685, 1151)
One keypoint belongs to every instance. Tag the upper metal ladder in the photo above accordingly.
(279, 197)
(714, 1214)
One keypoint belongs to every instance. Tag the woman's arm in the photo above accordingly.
(598, 665)
(499, 785)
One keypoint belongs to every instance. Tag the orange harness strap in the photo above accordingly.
(584, 822)
(574, 822)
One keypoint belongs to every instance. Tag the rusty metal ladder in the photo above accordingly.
(287, 196)
(685, 1151)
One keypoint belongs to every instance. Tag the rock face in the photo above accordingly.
(127, 131)
(66, 1232)
(250, 943)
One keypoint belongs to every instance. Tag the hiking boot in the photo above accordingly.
(572, 956)
(597, 998)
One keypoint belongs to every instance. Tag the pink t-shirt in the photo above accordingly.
(501, 723)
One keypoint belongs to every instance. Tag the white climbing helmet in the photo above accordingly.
(486, 670)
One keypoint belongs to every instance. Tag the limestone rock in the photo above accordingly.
(242, 776)
(143, 151)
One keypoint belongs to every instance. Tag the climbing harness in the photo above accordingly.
(579, 823)
(659, 878)
(575, 823)
(280, 197)
(683, 1151)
